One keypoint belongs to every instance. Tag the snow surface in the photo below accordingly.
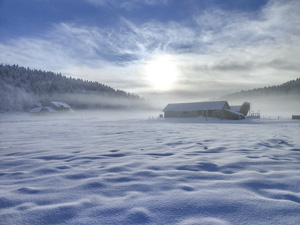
(94, 170)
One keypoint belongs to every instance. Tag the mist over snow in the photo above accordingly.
(276, 100)
(114, 169)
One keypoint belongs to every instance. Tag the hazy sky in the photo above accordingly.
(161, 49)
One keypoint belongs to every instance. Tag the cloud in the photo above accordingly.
(219, 51)
(34, 52)
(127, 43)
(127, 5)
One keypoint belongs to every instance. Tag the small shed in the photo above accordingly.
(295, 117)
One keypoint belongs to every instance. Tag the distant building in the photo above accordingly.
(52, 107)
(295, 117)
(216, 109)
(40, 110)
(60, 106)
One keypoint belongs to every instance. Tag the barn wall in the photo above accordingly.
(181, 114)
(188, 114)
(171, 114)
(217, 114)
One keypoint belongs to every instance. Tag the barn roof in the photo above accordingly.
(234, 112)
(195, 106)
(36, 109)
(236, 108)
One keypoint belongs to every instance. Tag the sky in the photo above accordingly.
(163, 50)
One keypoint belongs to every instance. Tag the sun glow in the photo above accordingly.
(161, 72)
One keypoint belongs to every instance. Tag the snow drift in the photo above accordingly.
(83, 170)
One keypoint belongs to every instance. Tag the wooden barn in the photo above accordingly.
(216, 109)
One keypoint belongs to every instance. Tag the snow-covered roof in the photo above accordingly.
(236, 108)
(59, 104)
(36, 109)
(195, 106)
(41, 109)
(235, 112)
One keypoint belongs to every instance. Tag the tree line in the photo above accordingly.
(288, 89)
(21, 88)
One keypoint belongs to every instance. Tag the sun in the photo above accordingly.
(161, 72)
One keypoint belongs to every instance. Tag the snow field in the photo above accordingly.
(83, 170)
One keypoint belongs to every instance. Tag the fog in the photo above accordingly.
(96, 101)
(115, 115)
(18, 100)
(273, 106)
(112, 108)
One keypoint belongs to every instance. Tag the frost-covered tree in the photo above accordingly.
(20, 88)
(288, 89)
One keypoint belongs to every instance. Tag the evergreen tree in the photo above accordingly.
(20, 88)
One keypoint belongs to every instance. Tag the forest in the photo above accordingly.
(21, 88)
(289, 89)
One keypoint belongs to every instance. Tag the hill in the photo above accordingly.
(20, 88)
(290, 88)
(272, 99)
